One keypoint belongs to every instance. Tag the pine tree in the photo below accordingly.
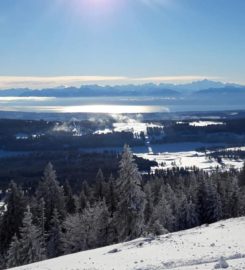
(12, 218)
(31, 242)
(210, 208)
(129, 218)
(54, 243)
(14, 256)
(111, 196)
(69, 199)
(149, 203)
(100, 185)
(74, 236)
(163, 213)
(192, 215)
(242, 177)
(52, 194)
(101, 220)
(82, 202)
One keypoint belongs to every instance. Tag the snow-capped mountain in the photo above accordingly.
(199, 248)
(150, 89)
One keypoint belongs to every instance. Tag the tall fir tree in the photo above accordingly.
(31, 241)
(52, 194)
(69, 199)
(14, 255)
(111, 199)
(12, 217)
(74, 235)
(209, 204)
(129, 217)
(54, 242)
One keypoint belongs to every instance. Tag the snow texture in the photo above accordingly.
(199, 248)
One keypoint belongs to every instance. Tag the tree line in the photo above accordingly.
(55, 220)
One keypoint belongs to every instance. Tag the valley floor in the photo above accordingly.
(198, 248)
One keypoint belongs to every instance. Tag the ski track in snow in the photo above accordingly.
(199, 248)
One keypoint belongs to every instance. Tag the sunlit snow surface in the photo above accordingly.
(130, 126)
(205, 123)
(190, 159)
(198, 248)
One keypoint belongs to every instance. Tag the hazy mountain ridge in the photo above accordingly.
(194, 89)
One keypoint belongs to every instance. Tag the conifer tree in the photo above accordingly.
(129, 218)
(210, 208)
(14, 255)
(12, 218)
(54, 243)
(31, 241)
(163, 213)
(82, 202)
(69, 199)
(74, 235)
(52, 194)
(111, 199)
(149, 203)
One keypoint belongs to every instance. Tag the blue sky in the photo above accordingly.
(121, 40)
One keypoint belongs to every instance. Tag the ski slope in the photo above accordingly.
(198, 248)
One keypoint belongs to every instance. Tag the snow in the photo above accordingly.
(130, 126)
(198, 248)
(205, 123)
(103, 131)
(135, 127)
(189, 159)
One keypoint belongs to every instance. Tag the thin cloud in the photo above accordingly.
(41, 82)
(33, 82)
(174, 79)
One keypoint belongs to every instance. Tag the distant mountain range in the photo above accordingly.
(204, 89)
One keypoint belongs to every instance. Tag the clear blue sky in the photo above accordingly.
(130, 38)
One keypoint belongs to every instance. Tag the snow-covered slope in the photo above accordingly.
(198, 248)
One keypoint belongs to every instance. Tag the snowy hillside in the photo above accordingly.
(198, 248)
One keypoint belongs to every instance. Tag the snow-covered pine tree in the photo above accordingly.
(69, 199)
(188, 216)
(163, 212)
(74, 235)
(54, 243)
(101, 187)
(52, 193)
(192, 215)
(242, 177)
(101, 228)
(31, 241)
(82, 202)
(14, 255)
(209, 204)
(12, 218)
(149, 203)
(129, 218)
(111, 196)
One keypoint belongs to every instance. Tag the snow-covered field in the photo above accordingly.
(189, 159)
(205, 123)
(130, 126)
(198, 248)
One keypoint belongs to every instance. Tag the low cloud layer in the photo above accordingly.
(7, 82)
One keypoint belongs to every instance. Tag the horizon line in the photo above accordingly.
(40, 82)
